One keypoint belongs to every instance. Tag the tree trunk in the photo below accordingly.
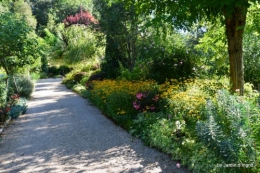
(235, 24)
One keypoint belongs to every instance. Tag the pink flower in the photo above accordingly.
(136, 106)
(155, 98)
(139, 96)
(181, 62)
(178, 165)
(152, 108)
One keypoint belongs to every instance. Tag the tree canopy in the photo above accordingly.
(183, 13)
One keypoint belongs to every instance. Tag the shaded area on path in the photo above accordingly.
(62, 132)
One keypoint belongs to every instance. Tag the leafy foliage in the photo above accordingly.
(251, 44)
(227, 129)
(22, 9)
(18, 109)
(120, 27)
(3, 92)
(74, 44)
(58, 9)
(21, 85)
(16, 48)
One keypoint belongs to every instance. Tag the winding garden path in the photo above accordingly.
(62, 132)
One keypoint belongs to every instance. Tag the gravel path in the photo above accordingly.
(61, 132)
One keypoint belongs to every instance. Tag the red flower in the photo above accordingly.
(7, 109)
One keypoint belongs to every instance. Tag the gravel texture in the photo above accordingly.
(62, 132)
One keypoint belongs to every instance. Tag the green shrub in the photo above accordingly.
(69, 84)
(24, 86)
(78, 88)
(170, 135)
(35, 76)
(43, 75)
(139, 72)
(175, 65)
(227, 130)
(141, 126)
(58, 70)
(18, 109)
(79, 76)
(119, 108)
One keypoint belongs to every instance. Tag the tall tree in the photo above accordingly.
(22, 8)
(120, 27)
(185, 12)
(16, 48)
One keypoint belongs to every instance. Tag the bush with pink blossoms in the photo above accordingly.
(146, 101)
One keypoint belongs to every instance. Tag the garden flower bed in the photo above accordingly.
(197, 122)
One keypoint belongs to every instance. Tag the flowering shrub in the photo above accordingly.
(188, 99)
(146, 101)
(115, 98)
(185, 100)
(83, 17)
(102, 89)
(4, 113)
(5, 108)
